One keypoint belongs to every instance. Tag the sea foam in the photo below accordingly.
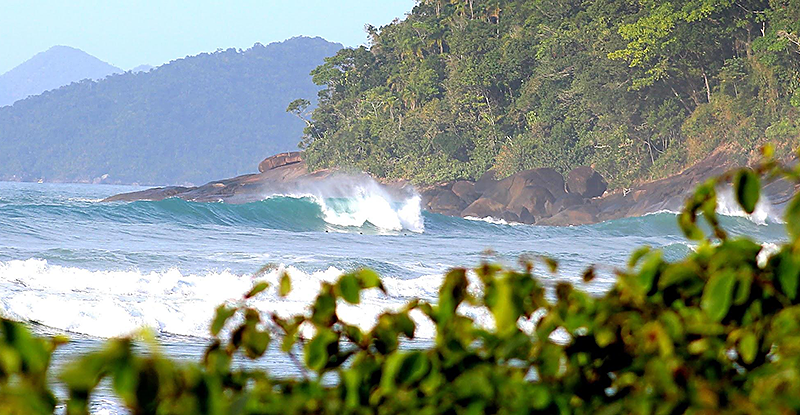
(114, 303)
(357, 200)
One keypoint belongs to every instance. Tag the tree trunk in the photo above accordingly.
(708, 88)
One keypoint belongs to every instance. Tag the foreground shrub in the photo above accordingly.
(717, 332)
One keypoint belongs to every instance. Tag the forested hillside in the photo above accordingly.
(638, 89)
(192, 120)
(53, 68)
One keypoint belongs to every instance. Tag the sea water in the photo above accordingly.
(72, 264)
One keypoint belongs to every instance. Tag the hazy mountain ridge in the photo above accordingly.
(51, 69)
(191, 120)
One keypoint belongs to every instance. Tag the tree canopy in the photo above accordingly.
(639, 89)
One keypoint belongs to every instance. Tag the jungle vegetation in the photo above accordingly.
(638, 89)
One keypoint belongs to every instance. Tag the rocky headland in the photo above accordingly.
(539, 196)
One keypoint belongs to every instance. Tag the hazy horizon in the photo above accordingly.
(152, 33)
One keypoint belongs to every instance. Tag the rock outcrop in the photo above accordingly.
(538, 196)
(585, 182)
(280, 160)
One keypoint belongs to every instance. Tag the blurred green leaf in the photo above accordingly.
(747, 187)
(256, 343)
(748, 347)
(221, 316)
(316, 350)
(415, 365)
(792, 217)
(257, 288)
(350, 288)
(285, 285)
(717, 295)
(789, 274)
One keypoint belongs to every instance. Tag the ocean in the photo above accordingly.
(72, 264)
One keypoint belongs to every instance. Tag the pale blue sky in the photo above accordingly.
(128, 33)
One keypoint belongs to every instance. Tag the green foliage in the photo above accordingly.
(715, 332)
(194, 119)
(637, 89)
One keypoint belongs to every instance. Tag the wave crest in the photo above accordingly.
(355, 201)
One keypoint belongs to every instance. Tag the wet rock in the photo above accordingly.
(533, 199)
(578, 215)
(526, 217)
(447, 203)
(567, 201)
(466, 191)
(483, 208)
(487, 180)
(542, 177)
(155, 194)
(586, 182)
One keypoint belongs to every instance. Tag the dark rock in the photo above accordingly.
(466, 191)
(510, 217)
(280, 160)
(447, 203)
(543, 177)
(155, 194)
(567, 201)
(428, 193)
(499, 193)
(578, 215)
(483, 208)
(487, 180)
(531, 198)
(586, 182)
(526, 217)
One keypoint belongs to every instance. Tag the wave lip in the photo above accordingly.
(358, 200)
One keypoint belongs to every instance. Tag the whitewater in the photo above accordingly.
(93, 270)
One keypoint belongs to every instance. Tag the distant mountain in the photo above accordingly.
(142, 68)
(53, 68)
(189, 121)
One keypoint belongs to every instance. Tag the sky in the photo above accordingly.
(129, 33)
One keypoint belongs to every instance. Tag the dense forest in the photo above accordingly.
(637, 89)
(193, 120)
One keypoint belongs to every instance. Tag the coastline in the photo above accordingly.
(538, 196)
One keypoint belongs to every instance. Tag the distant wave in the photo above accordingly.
(728, 206)
(363, 211)
(763, 214)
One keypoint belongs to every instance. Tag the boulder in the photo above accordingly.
(586, 182)
(499, 192)
(578, 215)
(510, 217)
(487, 180)
(567, 201)
(483, 208)
(526, 217)
(427, 194)
(533, 199)
(466, 191)
(280, 160)
(447, 203)
(542, 177)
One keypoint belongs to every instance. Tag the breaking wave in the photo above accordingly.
(114, 303)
